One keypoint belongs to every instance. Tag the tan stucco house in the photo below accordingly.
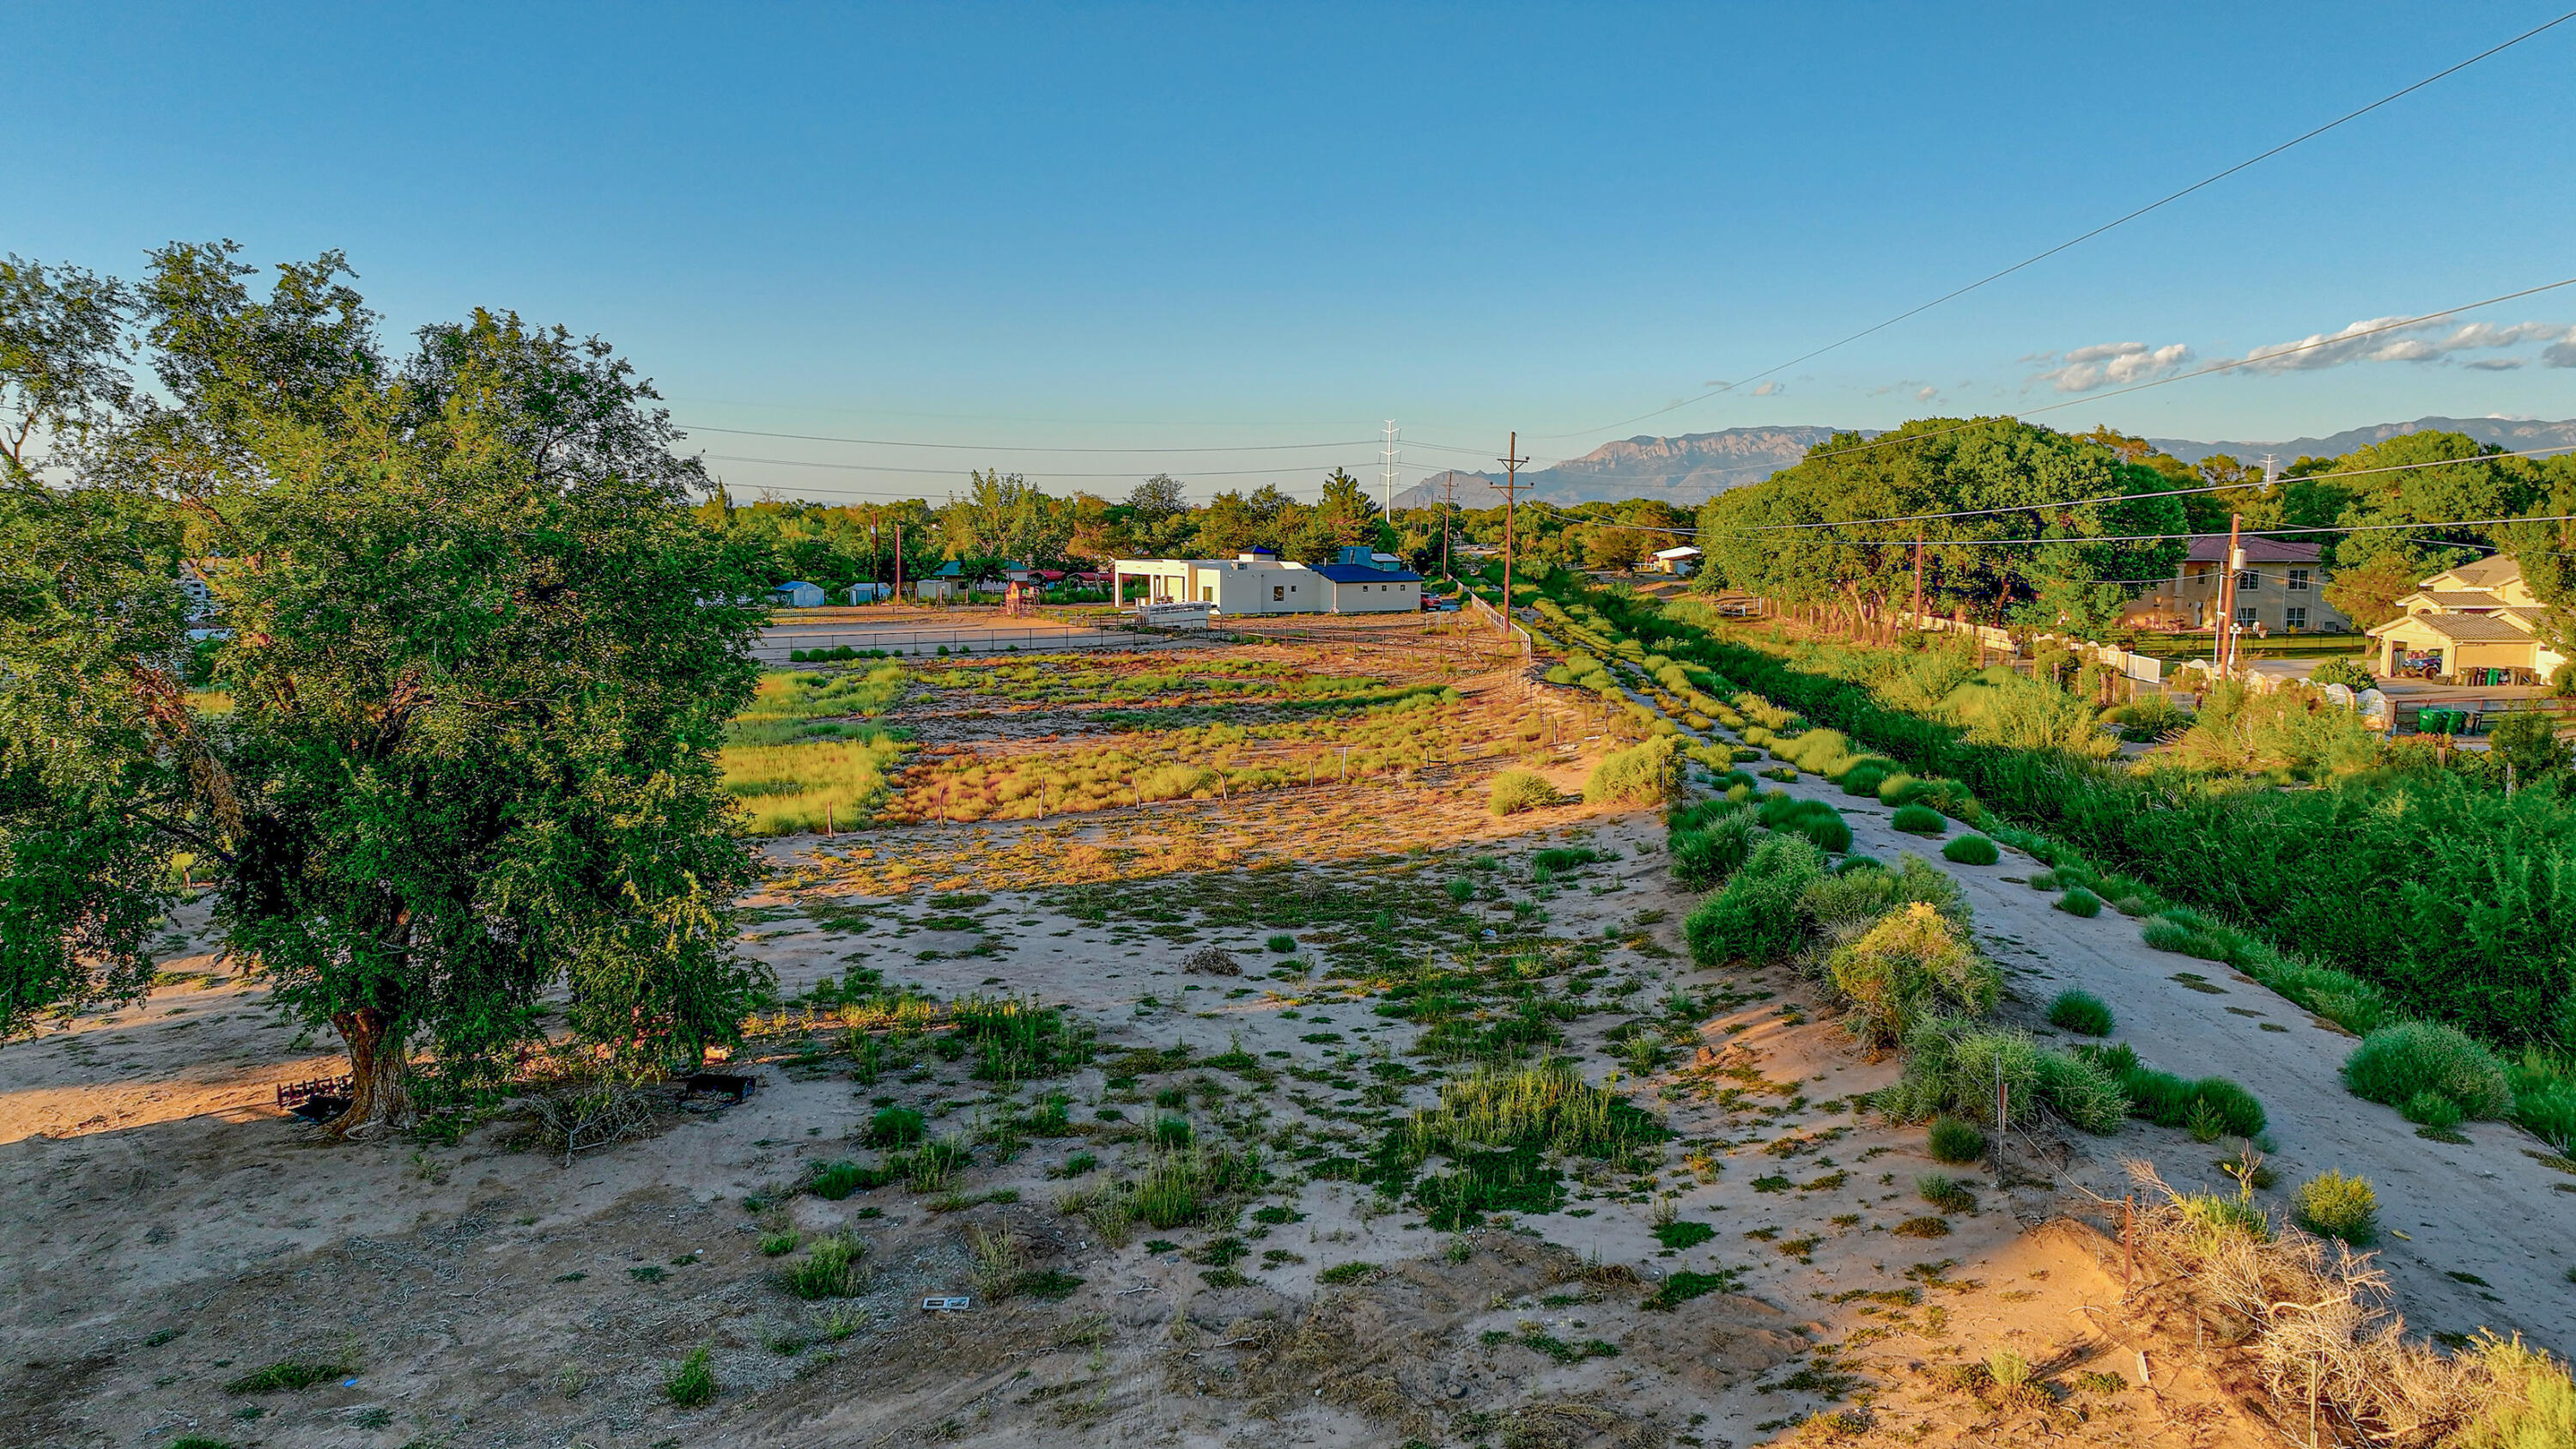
(2477, 624)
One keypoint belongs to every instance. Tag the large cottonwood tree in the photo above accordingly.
(461, 753)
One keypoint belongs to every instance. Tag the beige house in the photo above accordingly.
(1256, 581)
(2477, 624)
(2281, 590)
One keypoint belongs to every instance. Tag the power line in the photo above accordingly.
(2249, 533)
(951, 472)
(2087, 236)
(2162, 493)
(1019, 447)
(2231, 364)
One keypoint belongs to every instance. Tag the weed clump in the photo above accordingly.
(830, 1269)
(1643, 774)
(1755, 918)
(1971, 850)
(2332, 1205)
(1911, 966)
(1704, 857)
(2080, 1012)
(2080, 902)
(2412, 1061)
(290, 1375)
(1953, 1066)
(1515, 791)
(1918, 820)
(893, 1127)
(2209, 1107)
(1955, 1140)
(692, 1385)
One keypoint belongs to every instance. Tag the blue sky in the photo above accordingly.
(1191, 227)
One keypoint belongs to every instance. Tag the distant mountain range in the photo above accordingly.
(1688, 470)
(2511, 434)
(1685, 471)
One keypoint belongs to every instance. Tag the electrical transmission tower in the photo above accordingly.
(1388, 477)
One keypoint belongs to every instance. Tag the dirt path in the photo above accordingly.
(2491, 1230)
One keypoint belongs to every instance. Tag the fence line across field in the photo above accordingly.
(915, 641)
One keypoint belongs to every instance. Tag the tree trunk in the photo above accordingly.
(379, 1072)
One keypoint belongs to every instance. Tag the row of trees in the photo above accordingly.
(2386, 515)
(463, 751)
(1001, 518)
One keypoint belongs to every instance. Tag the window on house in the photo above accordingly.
(2245, 615)
(1277, 593)
(2247, 581)
(2298, 581)
(2295, 617)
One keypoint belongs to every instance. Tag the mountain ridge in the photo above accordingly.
(1690, 468)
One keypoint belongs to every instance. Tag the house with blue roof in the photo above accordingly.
(797, 594)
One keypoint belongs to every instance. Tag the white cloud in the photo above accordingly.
(1926, 394)
(2494, 364)
(1769, 389)
(2560, 354)
(2394, 339)
(2106, 364)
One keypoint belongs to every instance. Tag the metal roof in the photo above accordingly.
(1362, 574)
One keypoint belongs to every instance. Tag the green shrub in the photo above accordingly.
(289, 1375)
(2210, 1107)
(830, 1269)
(1814, 819)
(2080, 1012)
(1945, 1192)
(1515, 791)
(1955, 1141)
(2080, 902)
(1642, 774)
(2347, 672)
(1281, 945)
(2335, 1206)
(1970, 850)
(1863, 779)
(2397, 1064)
(692, 1385)
(1919, 820)
(2431, 1109)
(1702, 859)
(1910, 966)
(2082, 1092)
(894, 1127)
(1755, 917)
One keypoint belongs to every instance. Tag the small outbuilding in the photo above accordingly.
(1367, 589)
(797, 594)
(1678, 561)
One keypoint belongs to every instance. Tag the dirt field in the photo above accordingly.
(1766, 1270)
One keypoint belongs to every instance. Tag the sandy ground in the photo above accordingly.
(171, 1230)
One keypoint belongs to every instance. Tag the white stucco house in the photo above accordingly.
(1255, 581)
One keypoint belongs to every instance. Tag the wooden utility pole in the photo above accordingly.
(898, 563)
(2222, 652)
(1916, 618)
(1448, 514)
(1511, 461)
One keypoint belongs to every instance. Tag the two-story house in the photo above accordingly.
(2281, 590)
(2477, 624)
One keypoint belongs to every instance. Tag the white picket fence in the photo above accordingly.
(2139, 667)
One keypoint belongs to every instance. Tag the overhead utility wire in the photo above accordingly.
(1022, 447)
(2338, 339)
(950, 472)
(2164, 493)
(2246, 533)
(2088, 236)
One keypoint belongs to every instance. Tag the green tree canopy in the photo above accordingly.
(482, 652)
